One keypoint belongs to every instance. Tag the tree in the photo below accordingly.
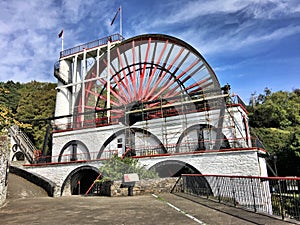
(278, 110)
(6, 115)
(7, 120)
(10, 95)
(275, 119)
(37, 101)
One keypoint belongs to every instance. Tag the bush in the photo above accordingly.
(115, 167)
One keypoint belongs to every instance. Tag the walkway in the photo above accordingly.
(122, 210)
(29, 209)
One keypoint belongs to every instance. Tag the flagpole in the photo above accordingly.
(62, 42)
(121, 20)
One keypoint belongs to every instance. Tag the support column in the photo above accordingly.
(63, 95)
(83, 86)
(108, 80)
(97, 61)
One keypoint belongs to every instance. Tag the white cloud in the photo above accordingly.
(208, 25)
(28, 29)
(262, 9)
(28, 34)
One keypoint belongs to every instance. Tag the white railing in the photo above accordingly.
(26, 145)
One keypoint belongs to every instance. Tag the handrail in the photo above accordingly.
(92, 44)
(88, 191)
(26, 146)
(139, 153)
(272, 195)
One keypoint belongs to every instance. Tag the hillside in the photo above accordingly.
(28, 101)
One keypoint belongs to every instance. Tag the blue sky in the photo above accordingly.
(250, 44)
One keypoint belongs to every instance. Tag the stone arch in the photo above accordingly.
(75, 145)
(18, 156)
(173, 168)
(160, 150)
(85, 174)
(198, 143)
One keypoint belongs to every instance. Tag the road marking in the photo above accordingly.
(179, 210)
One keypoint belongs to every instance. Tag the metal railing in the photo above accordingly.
(92, 44)
(235, 99)
(138, 152)
(278, 196)
(23, 141)
(146, 112)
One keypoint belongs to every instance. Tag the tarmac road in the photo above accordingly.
(33, 207)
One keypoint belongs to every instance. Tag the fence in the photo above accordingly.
(92, 44)
(278, 196)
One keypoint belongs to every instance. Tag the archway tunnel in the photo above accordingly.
(198, 185)
(173, 168)
(82, 179)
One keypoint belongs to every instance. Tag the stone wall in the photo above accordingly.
(145, 186)
(4, 165)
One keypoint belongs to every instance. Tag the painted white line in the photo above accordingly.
(179, 210)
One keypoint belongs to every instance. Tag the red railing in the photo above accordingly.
(138, 152)
(93, 184)
(146, 113)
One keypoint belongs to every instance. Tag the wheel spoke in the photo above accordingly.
(143, 69)
(142, 75)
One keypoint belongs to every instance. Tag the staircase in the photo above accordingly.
(24, 143)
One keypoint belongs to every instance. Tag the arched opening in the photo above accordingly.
(18, 156)
(80, 180)
(201, 137)
(73, 151)
(173, 168)
(134, 139)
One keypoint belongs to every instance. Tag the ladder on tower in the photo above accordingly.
(23, 141)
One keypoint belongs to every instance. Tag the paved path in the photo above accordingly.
(122, 210)
(214, 213)
(28, 209)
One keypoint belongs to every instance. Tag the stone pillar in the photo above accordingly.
(4, 165)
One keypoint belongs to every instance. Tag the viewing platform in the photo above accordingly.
(91, 46)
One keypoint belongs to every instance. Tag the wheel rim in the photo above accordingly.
(147, 68)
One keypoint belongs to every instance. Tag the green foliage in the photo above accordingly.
(8, 103)
(7, 120)
(115, 167)
(25, 102)
(9, 95)
(37, 101)
(280, 109)
(275, 119)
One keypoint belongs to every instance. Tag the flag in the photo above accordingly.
(61, 33)
(113, 20)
